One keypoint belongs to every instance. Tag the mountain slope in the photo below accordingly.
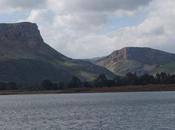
(26, 58)
(138, 60)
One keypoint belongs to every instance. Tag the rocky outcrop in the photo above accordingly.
(26, 33)
(19, 31)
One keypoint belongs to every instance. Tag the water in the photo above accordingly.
(110, 111)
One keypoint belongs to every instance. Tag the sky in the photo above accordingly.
(94, 28)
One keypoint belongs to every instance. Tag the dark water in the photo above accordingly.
(111, 111)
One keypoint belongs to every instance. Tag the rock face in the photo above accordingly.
(138, 60)
(20, 32)
(23, 40)
(25, 58)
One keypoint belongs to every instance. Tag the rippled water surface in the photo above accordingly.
(110, 111)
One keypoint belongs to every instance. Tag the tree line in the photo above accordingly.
(100, 82)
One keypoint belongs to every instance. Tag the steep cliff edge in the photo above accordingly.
(26, 58)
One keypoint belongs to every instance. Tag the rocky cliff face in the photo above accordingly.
(20, 32)
(23, 40)
(139, 60)
(26, 58)
(25, 33)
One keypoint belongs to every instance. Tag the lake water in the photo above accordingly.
(110, 111)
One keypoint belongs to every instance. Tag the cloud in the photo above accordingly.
(156, 30)
(77, 28)
(103, 5)
(41, 15)
(12, 5)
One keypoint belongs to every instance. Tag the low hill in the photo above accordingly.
(138, 60)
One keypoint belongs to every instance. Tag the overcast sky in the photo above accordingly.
(93, 28)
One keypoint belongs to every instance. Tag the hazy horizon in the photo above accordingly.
(86, 29)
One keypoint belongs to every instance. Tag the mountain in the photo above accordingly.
(26, 59)
(138, 60)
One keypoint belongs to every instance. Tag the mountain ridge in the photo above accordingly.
(138, 60)
(25, 58)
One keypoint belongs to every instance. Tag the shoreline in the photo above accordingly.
(135, 88)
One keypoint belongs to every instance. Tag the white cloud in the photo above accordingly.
(42, 16)
(157, 30)
(77, 28)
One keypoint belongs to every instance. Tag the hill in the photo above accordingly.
(26, 59)
(138, 60)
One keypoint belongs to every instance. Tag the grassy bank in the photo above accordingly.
(139, 88)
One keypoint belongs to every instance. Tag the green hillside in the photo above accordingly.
(138, 60)
(26, 58)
